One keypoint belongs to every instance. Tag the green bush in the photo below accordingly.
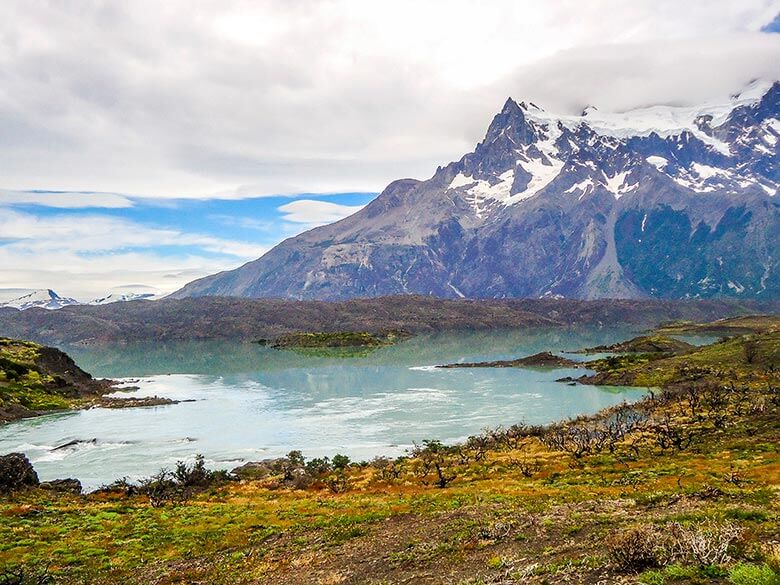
(747, 515)
(652, 578)
(747, 574)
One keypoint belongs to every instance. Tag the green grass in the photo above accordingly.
(749, 574)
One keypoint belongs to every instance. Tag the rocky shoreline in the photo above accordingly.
(36, 380)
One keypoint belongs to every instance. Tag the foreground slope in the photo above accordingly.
(679, 488)
(660, 202)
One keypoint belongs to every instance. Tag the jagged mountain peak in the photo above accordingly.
(41, 298)
(510, 107)
(701, 148)
(665, 200)
(587, 110)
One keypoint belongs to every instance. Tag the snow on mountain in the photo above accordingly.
(662, 201)
(663, 120)
(121, 298)
(43, 299)
(703, 151)
(48, 299)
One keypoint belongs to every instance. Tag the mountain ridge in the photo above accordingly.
(50, 300)
(663, 202)
(241, 319)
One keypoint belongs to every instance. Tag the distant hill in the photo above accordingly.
(251, 319)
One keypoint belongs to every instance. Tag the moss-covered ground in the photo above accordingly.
(23, 386)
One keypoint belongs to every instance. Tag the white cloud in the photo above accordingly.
(286, 97)
(72, 275)
(86, 257)
(65, 200)
(310, 211)
(96, 233)
(7, 294)
(641, 74)
(241, 99)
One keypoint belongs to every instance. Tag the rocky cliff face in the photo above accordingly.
(660, 202)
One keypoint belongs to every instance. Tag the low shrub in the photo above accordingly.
(652, 578)
(25, 576)
(646, 546)
(175, 486)
(635, 549)
(702, 544)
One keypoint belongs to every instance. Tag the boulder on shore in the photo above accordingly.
(69, 485)
(257, 469)
(16, 472)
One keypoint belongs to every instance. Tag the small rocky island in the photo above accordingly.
(651, 346)
(543, 359)
(335, 339)
(335, 343)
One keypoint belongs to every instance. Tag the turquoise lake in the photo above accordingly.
(253, 402)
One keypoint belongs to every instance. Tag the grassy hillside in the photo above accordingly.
(35, 379)
(741, 359)
(732, 325)
(679, 488)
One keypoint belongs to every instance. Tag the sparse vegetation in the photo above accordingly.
(325, 339)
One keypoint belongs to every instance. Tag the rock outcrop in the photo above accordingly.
(16, 472)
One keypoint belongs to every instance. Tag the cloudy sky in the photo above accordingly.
(146, 143)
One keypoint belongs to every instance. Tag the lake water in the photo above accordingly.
(254, 402)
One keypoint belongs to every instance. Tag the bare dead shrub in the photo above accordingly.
(703, 544)
(646, 546)
(671, 433)
(636, 549)
(389, 469)
(434, 458)
(526, 466)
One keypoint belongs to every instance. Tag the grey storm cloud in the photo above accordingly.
(249, 98)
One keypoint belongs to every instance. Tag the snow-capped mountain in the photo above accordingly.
(43, 298)
(662, 201)
(121, 298)
(48, 299)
